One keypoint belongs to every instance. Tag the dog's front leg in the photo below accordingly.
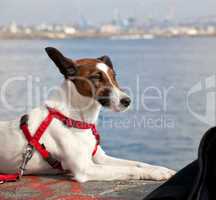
(84, 169)
(96, 172)
(102, 158)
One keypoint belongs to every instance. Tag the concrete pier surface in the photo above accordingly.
(61, 188)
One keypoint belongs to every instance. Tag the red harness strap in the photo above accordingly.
(34, 140)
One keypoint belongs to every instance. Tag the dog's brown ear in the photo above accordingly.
(65, 65)
(106, 60)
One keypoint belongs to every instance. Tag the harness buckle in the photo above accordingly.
(69, 122)
(27, 155)
(53, 162)
(24, 120)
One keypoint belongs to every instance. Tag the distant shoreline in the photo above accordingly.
(84, 35)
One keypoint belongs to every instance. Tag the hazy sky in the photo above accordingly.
(66, 11)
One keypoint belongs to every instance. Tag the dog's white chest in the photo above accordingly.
(85, 138)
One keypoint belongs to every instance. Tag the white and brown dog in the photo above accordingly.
(89, 84)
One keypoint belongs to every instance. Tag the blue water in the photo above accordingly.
(159, 129)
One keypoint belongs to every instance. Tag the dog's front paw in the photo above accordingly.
(158, 173)
(161, 173)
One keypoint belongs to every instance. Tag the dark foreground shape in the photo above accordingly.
(59, 188)
(197, 180)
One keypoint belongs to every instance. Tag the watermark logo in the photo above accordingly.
(150, 108)
(209, 86)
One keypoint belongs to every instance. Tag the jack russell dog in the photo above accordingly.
(89, 85)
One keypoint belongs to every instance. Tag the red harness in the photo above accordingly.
(33, 141)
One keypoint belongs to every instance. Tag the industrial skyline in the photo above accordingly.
(97, 11)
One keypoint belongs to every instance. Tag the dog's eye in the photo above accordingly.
(96, 77)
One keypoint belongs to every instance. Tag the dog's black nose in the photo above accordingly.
(125, 101)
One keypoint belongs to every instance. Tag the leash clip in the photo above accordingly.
(27, 155)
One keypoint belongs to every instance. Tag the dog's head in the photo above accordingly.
(94, 78)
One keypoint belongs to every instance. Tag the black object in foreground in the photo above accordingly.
(195, 181)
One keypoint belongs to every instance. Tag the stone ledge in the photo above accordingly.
(60, 188)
